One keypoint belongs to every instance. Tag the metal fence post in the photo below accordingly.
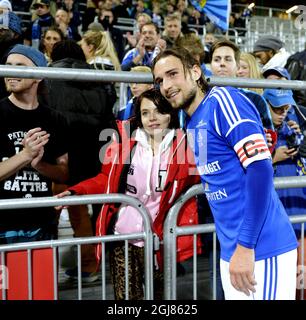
(147, 235)
(171, 231)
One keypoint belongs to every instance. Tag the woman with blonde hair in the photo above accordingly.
(99, 50)
(248, 68)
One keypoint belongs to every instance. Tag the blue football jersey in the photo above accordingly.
(226, 135)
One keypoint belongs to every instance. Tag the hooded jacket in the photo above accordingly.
(278, 60)
(181, 175)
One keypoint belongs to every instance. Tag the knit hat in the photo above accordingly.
(279, 97)
(95, 26)
(267, 43)
(31, 53)
(9, 20)
(281, 72)
(5, 4)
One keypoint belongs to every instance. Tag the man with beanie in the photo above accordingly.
(10, 35)
(33, 139)
(271, 52)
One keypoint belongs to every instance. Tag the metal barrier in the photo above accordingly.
(139, 77)
(147, 236)
(172, 231)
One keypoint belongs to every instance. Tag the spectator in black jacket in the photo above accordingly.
(296, 66)
(122, 9)
(108, 20)
(88, 109)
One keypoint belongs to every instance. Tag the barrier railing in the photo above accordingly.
(146, 235)
(139, 77)
(172, 231)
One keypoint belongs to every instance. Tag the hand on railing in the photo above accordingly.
(62, 195)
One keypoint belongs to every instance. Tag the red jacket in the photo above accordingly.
(182, 174)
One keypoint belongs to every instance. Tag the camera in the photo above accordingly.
(106, 23)
(291, 141)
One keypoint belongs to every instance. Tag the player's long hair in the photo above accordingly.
(187, 60)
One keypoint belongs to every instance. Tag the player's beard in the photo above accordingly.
(186, 101)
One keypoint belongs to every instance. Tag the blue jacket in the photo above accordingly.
(293, 199)
(127, 62)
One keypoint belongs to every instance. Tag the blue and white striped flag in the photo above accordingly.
(217, 11)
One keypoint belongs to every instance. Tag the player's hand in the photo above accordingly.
(241, 270)
(62, 195)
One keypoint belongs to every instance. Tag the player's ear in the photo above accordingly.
(196, 72)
